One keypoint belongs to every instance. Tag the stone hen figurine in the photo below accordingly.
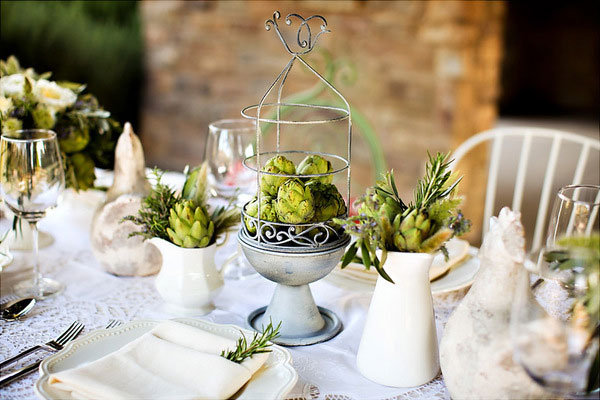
(476, 352)
(118, 253)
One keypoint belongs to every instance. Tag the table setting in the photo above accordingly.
(255, 275)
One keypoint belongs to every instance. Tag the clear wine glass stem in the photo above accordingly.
(37, 276)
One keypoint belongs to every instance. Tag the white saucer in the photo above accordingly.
(462, 271)
(272, 381)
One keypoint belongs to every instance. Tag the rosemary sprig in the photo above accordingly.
(436, 184)
(153, 217)
(259, 344)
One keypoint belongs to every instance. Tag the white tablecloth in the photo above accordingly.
(92, 296)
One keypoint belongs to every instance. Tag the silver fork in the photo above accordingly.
(53, 345)
(31, 367)
(113, 323)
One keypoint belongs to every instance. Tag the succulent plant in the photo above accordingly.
(295, 202)
(190, 225)
(315, 164)
(270, 184)
(328, 202)
(267, 211)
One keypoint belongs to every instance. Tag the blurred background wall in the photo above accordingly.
(419, 75)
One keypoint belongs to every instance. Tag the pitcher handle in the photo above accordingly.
(224, 240)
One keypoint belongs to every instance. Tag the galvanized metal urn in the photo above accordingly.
(296, 254)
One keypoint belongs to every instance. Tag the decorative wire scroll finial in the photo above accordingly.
(303, 36)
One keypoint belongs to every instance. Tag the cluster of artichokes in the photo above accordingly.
(384, 222)
(297, 198)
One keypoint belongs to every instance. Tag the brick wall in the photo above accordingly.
(426, 74)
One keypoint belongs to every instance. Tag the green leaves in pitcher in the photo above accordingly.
(386, 223)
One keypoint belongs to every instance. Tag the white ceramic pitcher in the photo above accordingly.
(399, 343)
(188, 280)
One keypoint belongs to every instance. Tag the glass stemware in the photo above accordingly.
(554, 327)
(229, 142)
(574, 214)
(31, 179)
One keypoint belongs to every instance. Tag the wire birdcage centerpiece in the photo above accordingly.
(294, 252)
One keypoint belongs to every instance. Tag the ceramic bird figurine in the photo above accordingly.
(476, 351)
(113, 248)
(130, 167)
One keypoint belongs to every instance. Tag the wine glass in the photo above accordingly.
(31, 178)
(554, 326)
(228, 143)
(574, 214)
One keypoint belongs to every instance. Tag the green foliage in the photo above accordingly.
(97, 42)
(86, 133)
(259, 344)
(386, 223)
(183, 221)
(154, 215)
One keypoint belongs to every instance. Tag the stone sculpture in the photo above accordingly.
(476, 352)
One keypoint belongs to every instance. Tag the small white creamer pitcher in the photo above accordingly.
(188, 280)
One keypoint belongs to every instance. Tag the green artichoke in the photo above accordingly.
(328, 201)
(267, 211)
(412, 231)
(315, 164)
(270, 184)
(190, 225)
(295, 202)
(380, 206)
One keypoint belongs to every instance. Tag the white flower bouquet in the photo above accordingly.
(85, 131)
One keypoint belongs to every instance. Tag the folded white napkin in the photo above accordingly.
(172, 361)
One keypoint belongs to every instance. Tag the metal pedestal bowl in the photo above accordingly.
(302, 322)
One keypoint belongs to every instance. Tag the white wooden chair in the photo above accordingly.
(526, 149)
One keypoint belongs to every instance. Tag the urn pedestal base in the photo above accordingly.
(302, 321)
(292, 304)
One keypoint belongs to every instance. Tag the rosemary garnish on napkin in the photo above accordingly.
(259, 344)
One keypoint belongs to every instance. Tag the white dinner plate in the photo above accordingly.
(461, 275)
(272, 381)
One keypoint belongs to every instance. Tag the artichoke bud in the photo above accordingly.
(277, 165)
(189, 225)
(436, 241)
(315, 164)
(397, 222)
(399, 241)
(409, 221)
(413, 239)
(328, 202)
(423, 223)
(267, 212)
(295, 203)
